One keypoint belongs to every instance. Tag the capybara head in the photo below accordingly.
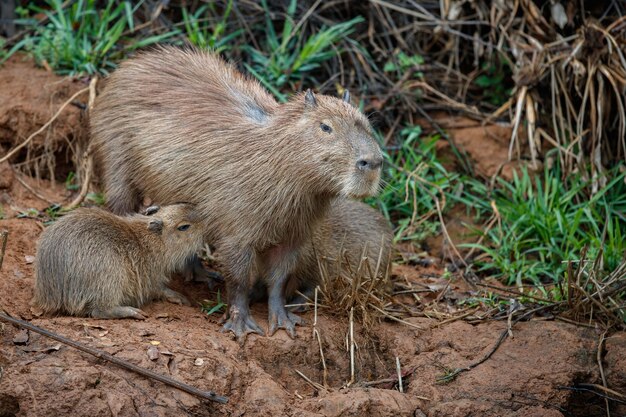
(178, 225)
(344, 146)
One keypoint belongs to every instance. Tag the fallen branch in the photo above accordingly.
(4, 235)
(209, 395)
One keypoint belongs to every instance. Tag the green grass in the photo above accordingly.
(415, 180)
(201, 32)
(83, 39)
(542, 222)
(287, 58)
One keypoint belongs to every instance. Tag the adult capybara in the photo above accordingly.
(94, 263)
(183, 125)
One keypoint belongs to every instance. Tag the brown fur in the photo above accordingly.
(178, 125)
(351, 229)
(94, 263)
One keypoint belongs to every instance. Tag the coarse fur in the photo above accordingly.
(180, 124)
(351, 230)
(93, 263)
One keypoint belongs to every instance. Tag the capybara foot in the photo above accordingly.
(120, 312)
(196, 272)
(175, 297)
(241, 323)
(280, 318)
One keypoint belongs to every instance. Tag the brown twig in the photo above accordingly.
(44, 127)
(87, 160)
(208, 395)
(505, 333)
(4, 236)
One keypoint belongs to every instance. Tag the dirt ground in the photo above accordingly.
(532, 373)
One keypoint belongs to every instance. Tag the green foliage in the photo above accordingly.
(286, 57)
(403, 63)
(544, 221)
(83, 39)
(415, 181)
(1, 212)
(492, 81)
(70, 183)
(210, 307)
(96, 198)
(203, 34)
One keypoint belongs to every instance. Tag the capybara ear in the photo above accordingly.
(346, 96)
(156, 226)
(309, 99)
(151, 210)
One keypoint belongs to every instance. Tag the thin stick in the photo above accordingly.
(316, 333)
(42, 128)
(209, 395)
(87, 160)
(389, 316)
(352, 378)
(32, 190)
(399, 369)
(599, 359)
(4, 236)
(307, 379)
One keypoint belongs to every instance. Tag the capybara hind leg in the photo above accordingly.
(119, 312)
(175, 297)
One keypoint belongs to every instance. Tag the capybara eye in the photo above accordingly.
(325, 128)
(184, 227)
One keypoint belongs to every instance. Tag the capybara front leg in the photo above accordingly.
(241, 265)
(119, 312)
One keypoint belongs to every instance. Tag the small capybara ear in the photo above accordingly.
(346, 96)
(309, 99)
(156, 226)
(151, 210)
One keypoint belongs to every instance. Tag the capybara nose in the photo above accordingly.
(369, 164)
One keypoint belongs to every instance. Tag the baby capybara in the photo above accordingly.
(94, 263)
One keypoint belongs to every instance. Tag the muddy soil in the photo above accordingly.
(530, 374)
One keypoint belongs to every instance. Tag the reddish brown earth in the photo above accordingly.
(528, 375)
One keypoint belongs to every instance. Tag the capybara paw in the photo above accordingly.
(175, 297)
(283, 319)
(241, 326)
(120, 312)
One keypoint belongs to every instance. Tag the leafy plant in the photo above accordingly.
(84, 39)
(287, 57)
(96, 198)
(70, 182)
(403, 63)
(493, 82)
(415, 183)
(205, 35)
(543, 221)
(210, 307)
